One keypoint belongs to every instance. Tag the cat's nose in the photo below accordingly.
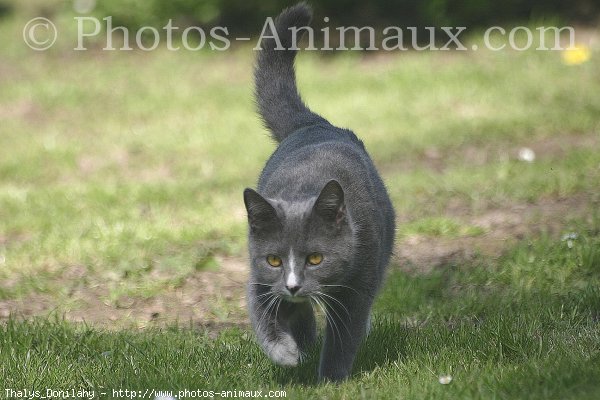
(293, 289)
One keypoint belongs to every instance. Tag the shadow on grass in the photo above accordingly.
(508, 310)
(526, 323)
(383, 346)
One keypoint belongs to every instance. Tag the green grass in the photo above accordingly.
(525, 326)
(126, 163)
(130, 168)
(439, 226)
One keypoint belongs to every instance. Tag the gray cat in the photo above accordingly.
(321, 225)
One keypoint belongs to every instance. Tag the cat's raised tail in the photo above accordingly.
(277, 97)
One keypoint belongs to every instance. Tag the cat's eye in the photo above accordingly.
(314, 258)
(274, 261)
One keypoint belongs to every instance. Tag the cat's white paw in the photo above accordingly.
(284, 352)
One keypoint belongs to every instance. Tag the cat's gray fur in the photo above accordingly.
(319, 192)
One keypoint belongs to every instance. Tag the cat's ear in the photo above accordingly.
(261, 214)
(330, 203)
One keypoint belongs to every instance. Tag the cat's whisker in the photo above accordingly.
(259, 283)
(264, 294)
(316, 300)
(272, 305)
(263, 302)
(337, 301)
(331, 319)
(279, 300)
(259, 324)
(331, 306)
(342, 286)
(339, 317)
(330, 322)
(271, 300)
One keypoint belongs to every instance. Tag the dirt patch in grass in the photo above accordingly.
(25, 109)
(503, 226)
(213, 300)
(478, 155)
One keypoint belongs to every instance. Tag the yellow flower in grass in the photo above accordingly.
(576, 55)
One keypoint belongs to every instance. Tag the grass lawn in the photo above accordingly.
(120, 205)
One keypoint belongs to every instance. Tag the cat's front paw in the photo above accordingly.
(284, 352)
(333, 374)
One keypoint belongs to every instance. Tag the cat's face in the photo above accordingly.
(299, 249)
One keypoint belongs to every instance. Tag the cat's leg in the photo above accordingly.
(297, 331)
(283, 329)
(348, 320)
(302, 324)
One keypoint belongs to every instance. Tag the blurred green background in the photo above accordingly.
(246, 16)
(121, 179)
(121, 171)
